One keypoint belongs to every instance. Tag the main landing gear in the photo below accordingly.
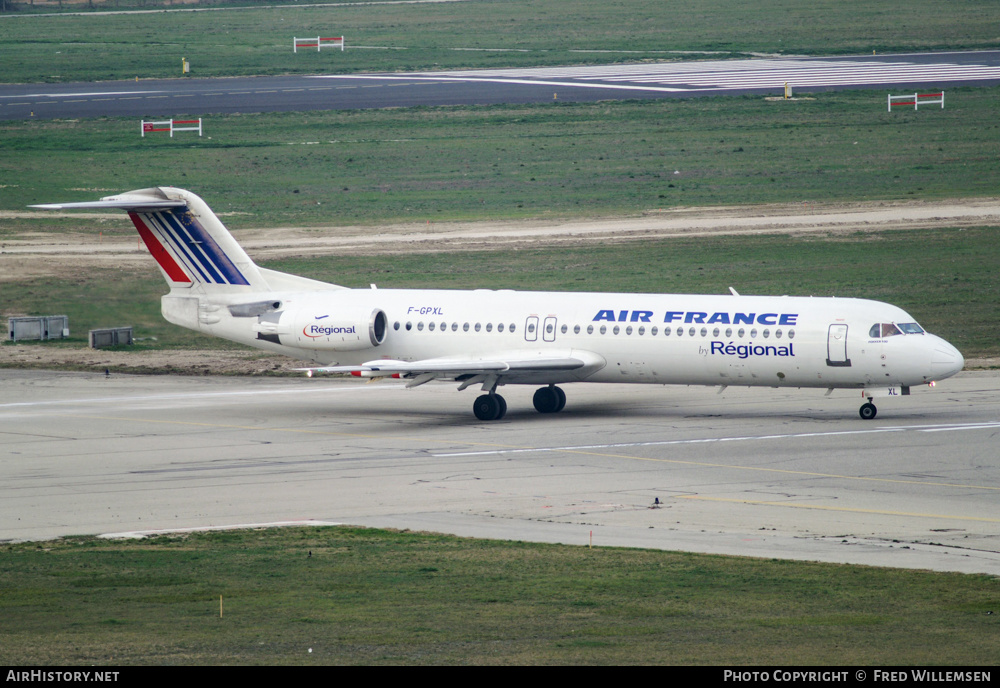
(549, 399)
(492, 406)
(868, 410)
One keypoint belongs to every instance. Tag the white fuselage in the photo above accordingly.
(642, 338)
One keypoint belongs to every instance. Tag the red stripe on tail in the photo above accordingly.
(162, 256)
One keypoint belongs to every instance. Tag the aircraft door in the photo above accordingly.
(531, 329)
(549, 329)
(836, 346)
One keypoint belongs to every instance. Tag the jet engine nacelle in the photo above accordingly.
(342, 330)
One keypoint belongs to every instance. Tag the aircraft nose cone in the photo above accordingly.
(946, 360)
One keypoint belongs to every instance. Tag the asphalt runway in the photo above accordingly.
(764, 472)
(194, 96)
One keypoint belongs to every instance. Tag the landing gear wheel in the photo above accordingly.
(562, 399)
(868, 411)
(490, 407)
(549, 399)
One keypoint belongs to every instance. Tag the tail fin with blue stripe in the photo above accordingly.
(189, 242)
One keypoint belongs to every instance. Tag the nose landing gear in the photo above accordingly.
(868, 410)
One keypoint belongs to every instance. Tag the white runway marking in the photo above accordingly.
(80, 95)
(305, 389)
(745, 438)
(528, 82)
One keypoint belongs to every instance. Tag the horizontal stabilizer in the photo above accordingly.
(144, 199)
(130, 204)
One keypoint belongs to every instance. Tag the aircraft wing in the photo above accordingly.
(520, 367)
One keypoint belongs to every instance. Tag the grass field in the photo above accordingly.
(510, 162)
(476, 33)
(339, 595)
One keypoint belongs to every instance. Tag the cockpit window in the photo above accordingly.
(892, 329)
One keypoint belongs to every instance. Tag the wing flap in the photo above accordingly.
(516, 364)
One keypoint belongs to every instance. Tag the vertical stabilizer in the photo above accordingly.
(188, 241)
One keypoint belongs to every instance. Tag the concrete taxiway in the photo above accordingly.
(762, 472)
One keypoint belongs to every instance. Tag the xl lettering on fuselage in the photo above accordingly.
(698, 317)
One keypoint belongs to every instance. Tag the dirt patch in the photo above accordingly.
(69, 254)
(168, 361)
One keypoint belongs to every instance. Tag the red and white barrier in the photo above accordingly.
(917, 99)
(171, 126)
(317, 43)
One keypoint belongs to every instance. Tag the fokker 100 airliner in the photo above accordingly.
(493, 338)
